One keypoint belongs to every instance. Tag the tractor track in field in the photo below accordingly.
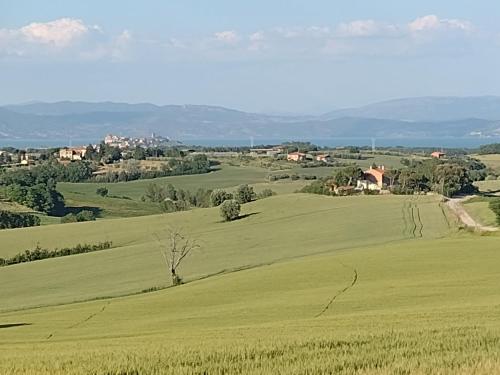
(413, 224)
(81, 322)
(340, 292)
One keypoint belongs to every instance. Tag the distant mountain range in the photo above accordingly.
(402, 118)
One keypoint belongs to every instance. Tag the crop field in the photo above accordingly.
(489, 187)
(423, 306)
(479, 209)
(492, 161)
(276, 228)
(301, 284)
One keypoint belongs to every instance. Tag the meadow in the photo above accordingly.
(277, 228)
(492, 161)
(421, 306)
(125, 197)
(301, 284)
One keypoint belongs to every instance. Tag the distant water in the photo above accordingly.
(338, 142)
(332, 142)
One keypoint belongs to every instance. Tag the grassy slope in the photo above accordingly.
(82, 195)
(279, 228)
(479, 209)
(422, 306)
(492, 161)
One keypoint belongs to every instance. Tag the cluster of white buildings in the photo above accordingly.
(128, 142)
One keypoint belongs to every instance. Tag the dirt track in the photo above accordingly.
(455, 205)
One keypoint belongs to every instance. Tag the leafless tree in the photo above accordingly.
(174, 249)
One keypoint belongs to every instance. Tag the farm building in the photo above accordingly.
(72, 153)
(438, 154)
(373, 179)
(324, 158)
(296, 156)
(266, 152)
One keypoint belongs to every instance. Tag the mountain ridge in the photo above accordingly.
(87, 119)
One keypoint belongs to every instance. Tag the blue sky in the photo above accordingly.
(276, 56)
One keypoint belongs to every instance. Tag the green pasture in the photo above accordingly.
(277, 228)
(479, 209)
(421, 306)
(492, 161)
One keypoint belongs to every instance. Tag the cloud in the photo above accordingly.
(366, 28)
(434, 23)
(60, 33)
(64, 38)
(227, 37)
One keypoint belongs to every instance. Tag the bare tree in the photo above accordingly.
(177, 247)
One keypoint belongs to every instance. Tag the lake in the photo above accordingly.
(470, 142)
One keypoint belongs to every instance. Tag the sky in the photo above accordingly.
(275, 56)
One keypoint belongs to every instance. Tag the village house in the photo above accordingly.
(265, 152)
(438, 154)
(373, 179)
(296, 156)
(325, 158)
(72, 153)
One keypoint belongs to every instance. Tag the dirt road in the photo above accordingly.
(455, 204)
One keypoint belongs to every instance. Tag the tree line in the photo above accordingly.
(418, 176)
(39, 253)
(11, 220)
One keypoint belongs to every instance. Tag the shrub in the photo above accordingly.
(81, 216)
(266, 193)
(230, 210)
(40, 253)
(102, 191)
(244, 194)
(9, 220)
(219, 196)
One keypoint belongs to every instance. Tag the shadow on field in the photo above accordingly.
(11, 325)
(241, 217)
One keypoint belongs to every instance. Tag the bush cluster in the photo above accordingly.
(40, 253)
(10, 220)
(81, 216)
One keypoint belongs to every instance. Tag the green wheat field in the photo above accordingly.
(302, 284)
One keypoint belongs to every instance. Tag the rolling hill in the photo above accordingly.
(405, 118)
(286, 290)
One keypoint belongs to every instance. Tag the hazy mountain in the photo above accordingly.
(65, 120)
(426, 109)
(68, 107)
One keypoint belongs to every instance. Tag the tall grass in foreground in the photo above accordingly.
(449, 351)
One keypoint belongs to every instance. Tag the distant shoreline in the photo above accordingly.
(449, 142)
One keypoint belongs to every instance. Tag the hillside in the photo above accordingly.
(387, 302)
(426, 109)
(321, 224)
(405, 118)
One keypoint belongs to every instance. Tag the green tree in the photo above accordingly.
(219, 196)
(139, 153)
(230, 210)
(102, 191)
(244, 194)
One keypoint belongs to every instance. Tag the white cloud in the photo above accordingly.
(60, 33)
(366, 28)
(228, 37)
(433, 23)
(64, 38)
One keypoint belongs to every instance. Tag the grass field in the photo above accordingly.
(278, 228)
(479, 209)
(492, 161)
(425, 306)
(302, 284)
